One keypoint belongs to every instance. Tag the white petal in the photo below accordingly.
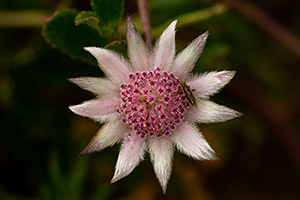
(96, 108)
(191, 142)
(186, 59)
(161, 152)
(210, 83)
(165, 48)
(108, 135)
(99, 86)
(132, 151)
(137, 49)
(209, 112)
(111, 63)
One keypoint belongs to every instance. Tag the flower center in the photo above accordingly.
(153, 103)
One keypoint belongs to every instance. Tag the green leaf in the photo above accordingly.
(89, 18)
(109, 13)
(61, 32)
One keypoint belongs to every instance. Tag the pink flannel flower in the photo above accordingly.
(152, 103)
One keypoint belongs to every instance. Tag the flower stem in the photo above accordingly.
(192, 18)
(144, 14)
(184, 20)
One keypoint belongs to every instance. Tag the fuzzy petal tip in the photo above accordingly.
(132, 151)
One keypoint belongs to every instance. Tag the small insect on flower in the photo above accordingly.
(189, 93)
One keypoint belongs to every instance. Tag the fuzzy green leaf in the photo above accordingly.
(89, 18)
(109, 13)
(61, 32)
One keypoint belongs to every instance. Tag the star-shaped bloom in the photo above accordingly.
(151, 103)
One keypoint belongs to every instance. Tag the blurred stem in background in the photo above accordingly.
(186, 19)
(144, 14)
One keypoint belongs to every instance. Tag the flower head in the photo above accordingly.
(151, 104)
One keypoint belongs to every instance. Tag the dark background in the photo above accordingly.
(259, 154)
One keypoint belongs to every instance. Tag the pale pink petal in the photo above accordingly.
(209, 112)
(96, 108)
(132, 151)
(111, 63)
(191, 142)
(99, 86)
(210, 83)
(108, 135)
(161, 152)
(165, 48)
(186, 59)
(137, 49)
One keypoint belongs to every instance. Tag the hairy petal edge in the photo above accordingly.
(165, 48)
(132, 151)
(99, 86)
(109, 134)
(186, 59)
(111, 63)
(210, 83)
(161, 153)
(210, 112)
(191, 142)
(137, 49)
(96, 108)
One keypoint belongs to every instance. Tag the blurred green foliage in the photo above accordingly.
(40, 139)
(70, 31)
